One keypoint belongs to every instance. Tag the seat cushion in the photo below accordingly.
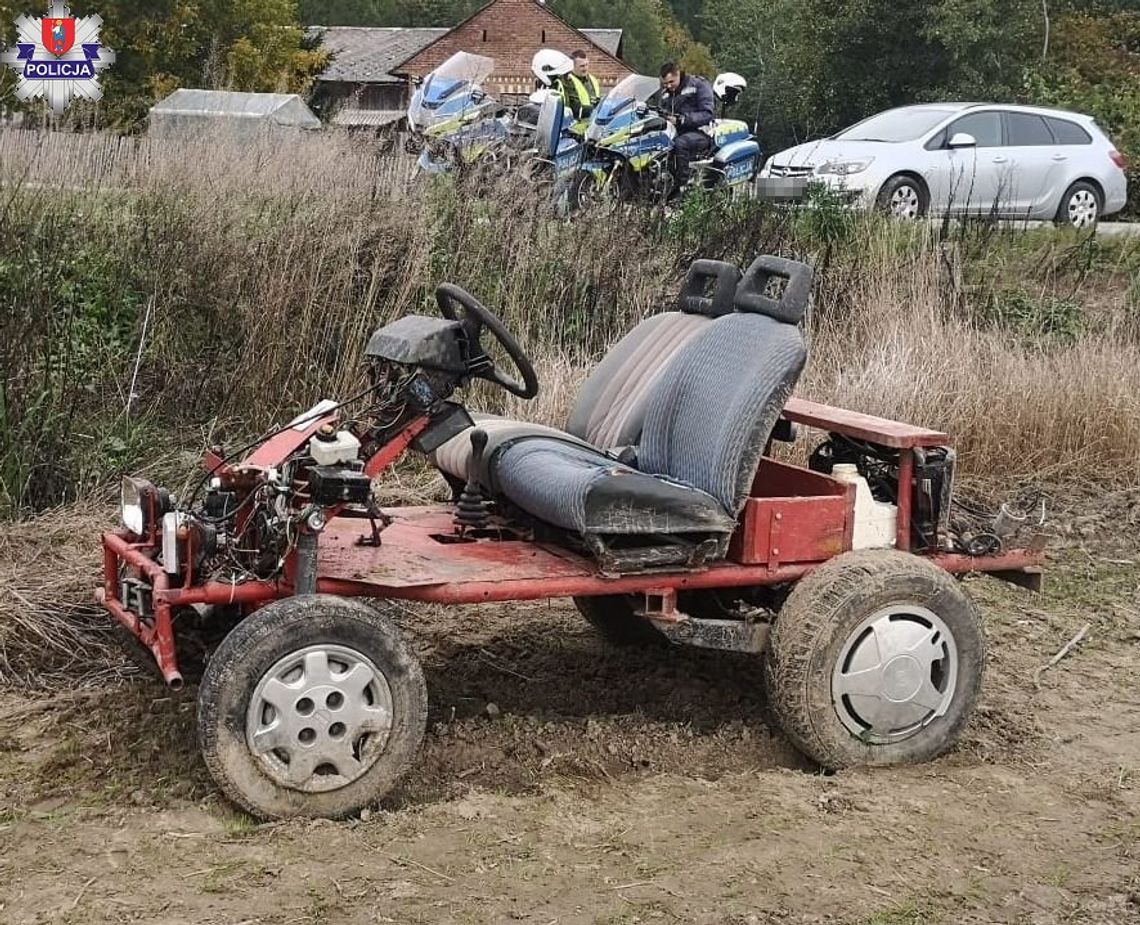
(454, 457)
(582, 490)
(712, 411)
(611, 405)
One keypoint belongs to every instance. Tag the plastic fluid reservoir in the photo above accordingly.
(342, 448)
(875, 521)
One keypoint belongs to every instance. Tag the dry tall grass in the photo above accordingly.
(231, 284)
(154, 297)
(902, 340)
(51, 629)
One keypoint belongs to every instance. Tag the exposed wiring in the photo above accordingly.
(308, 419)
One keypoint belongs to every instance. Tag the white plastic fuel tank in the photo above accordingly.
(876, 522)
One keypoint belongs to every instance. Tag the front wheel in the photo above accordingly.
(589, 190)
(876, 658)
(313, 706)
(903, 197)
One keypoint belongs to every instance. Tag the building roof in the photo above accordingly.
(363, 54)
(609, 40)
(372, 118)
(368, 54)
(280, 108)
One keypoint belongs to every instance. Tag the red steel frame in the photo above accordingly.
(794, 520)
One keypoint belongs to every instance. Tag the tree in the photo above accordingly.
(387, 12)
(1094, 68)
(989, 46)
(651, 33)
(688, 13)
(255, 45)
(814, 66)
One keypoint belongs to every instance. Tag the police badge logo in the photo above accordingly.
(58, 57)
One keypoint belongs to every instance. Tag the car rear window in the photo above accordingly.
(1068, 133)
(1025, 129)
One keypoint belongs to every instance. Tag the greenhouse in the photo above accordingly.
(245, 114)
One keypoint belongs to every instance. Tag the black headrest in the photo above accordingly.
(694, 297)
(757, 292)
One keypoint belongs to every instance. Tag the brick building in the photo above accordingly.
(371, 75)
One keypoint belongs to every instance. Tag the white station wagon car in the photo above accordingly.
(1012, 162)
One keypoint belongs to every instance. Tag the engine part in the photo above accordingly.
(879, 465)
(933, 489)
(171, 525)
(329, 485)
(219, 505)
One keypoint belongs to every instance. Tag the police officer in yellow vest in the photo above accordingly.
(580, 89)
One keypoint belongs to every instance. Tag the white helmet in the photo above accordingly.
(728, 86)
(548, 64)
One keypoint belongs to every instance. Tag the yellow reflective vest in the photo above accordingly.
(580, 96)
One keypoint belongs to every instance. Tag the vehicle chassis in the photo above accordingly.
(794, 520)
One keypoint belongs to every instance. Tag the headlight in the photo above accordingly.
(141, 505)
(844, 168)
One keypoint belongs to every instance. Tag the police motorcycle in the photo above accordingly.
(629, 145)
(557, 139)
(452, 121)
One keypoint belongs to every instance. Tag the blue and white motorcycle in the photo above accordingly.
(629, 146)
(553, 140)
(453, 122)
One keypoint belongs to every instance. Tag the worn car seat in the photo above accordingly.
(708, 418)
(611, 405)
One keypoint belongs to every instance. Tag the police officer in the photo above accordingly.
(580, 89)
(687, 101)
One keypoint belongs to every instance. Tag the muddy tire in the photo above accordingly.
(312, 706)
(614, 618)
(876, 658)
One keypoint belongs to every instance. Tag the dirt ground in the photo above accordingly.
(563, 781)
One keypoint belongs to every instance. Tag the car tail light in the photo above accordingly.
(1118, 159)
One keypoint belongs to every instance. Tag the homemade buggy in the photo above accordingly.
(659, 509)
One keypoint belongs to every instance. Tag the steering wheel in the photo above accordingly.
(474, 318)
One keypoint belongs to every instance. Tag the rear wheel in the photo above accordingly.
(615, 619)
(876, 658)
(903, 196)
(312, 706)
(1081, 206)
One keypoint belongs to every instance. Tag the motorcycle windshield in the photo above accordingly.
(450, 90)
(619, 105)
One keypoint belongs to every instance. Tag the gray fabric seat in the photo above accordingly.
(708, 419)
(611, 405)
(584, 491)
